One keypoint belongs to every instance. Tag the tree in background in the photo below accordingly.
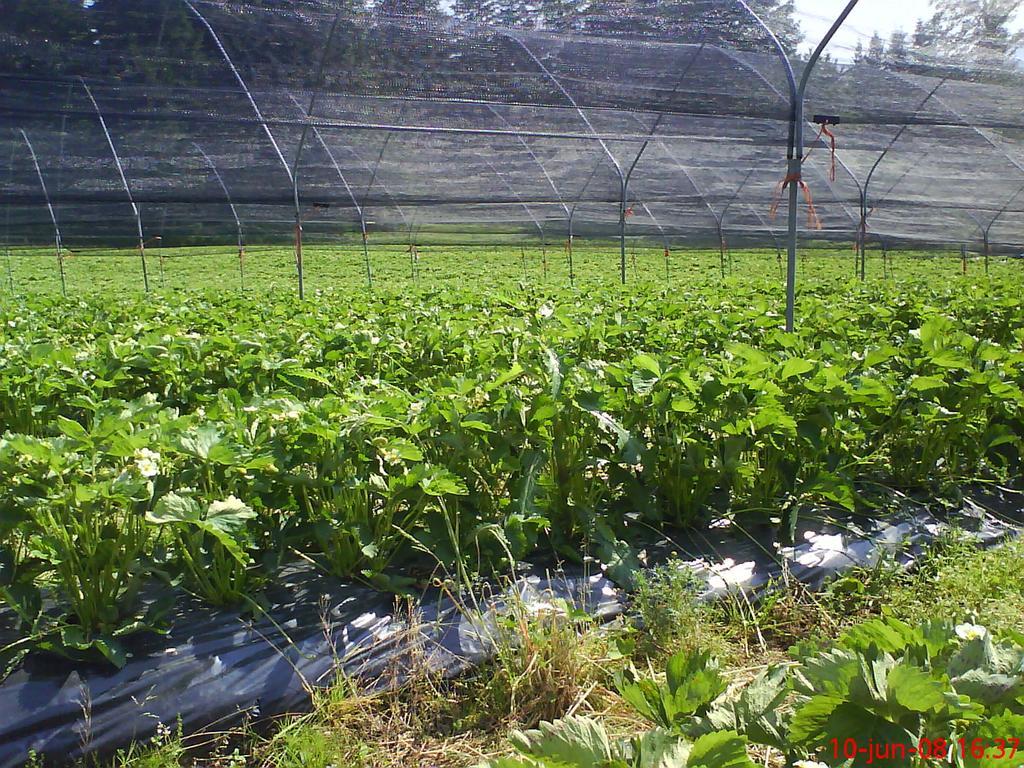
(720, 23)
(976, 31)
(507, 13)
(561, 14)
(876, 50)
(472, 11)
(780, 15)
(407, 7)
(898, 53)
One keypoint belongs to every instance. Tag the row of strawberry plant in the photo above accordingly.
(204, 444)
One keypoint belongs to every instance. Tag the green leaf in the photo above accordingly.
(988, 688)
(575, 741)
(647, 363)
(199, 441)
(404, 449)
(948, 358)
(683, 405)
(850, 720)
(795, 366)
(554, 369)
(693, 680)
(229, 516)
(810, 720)
(173, 508)
(644, 696)
(888, 634)
(915, 690)
(72, 429)
(112, 651)
(927, 384)
(440, 482)
(660, 749)
(725, 749)
(513, 373)
(996, 750)
(223, 520)
(755, 710)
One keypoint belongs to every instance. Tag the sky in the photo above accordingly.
(885, 16)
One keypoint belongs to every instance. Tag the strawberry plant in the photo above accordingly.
(202, 441)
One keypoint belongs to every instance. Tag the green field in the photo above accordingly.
(35, 270)
(454, 420)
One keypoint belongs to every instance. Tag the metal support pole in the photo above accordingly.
(963, 257)
(721, 246)
(544, 252)
(7, 222)
(622, 231)
(860, 266)
(623, 176)
(234, 214)
(298, 255)
(864, 212)
(53, 215)
(124, 182)
(794, 168)
(348, 188)
(256, 110)
(862, 234)
(366, 254)
(298, 154)
(160, 242)
(568, 249)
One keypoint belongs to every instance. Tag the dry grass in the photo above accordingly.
(553, 663)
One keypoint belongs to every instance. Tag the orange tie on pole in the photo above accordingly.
(813, 220)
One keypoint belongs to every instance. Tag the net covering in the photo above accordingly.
(207, 121)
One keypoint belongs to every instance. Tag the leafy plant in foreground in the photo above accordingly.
(884, 683)
(212, 543)
(81, 497)
(579, 742)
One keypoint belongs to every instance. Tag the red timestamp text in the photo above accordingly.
(871, 751)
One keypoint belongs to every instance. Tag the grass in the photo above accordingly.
(551, 666)
(332, 268)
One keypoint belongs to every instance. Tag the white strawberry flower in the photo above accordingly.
(971, 632)
(290, 414)
(147, 462)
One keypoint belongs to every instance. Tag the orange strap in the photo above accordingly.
(813, 220)
(832, 139)
(832, 142)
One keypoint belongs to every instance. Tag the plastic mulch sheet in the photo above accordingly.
(218, 670)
